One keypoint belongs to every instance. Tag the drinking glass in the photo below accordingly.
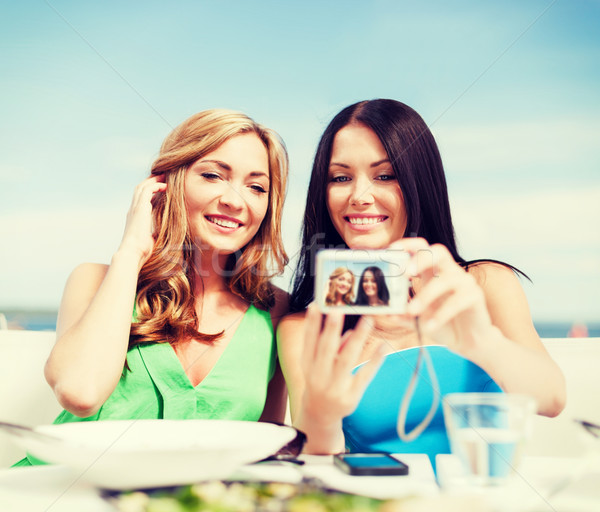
(487, 432)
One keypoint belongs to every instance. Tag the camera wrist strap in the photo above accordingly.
(407, 398)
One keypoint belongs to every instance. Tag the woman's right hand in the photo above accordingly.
(94, 320)
(139, 230)
(331, 389)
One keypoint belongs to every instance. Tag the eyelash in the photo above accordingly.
(346, 179)
(212, 176)
(258, 189)
(340, 179)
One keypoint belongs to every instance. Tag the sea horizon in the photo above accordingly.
(45, 320)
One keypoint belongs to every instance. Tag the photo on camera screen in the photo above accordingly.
(362, 282)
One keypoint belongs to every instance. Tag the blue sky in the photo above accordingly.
(510, 89)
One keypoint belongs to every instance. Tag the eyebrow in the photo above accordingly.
(374, 164)
(227, 167)
(384, 161)
(259, 174)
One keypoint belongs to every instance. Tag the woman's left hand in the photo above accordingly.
(448, 301)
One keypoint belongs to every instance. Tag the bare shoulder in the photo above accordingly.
(291, 326)
(500, 284)
(290, 346)
(81, 287)
(85, 279)
(506, 301)
(280, 307)
(88, 273)
(491, 275)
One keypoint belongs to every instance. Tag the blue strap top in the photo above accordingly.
(372, 427)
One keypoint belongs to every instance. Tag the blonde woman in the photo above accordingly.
(340, 288)
(180, 324)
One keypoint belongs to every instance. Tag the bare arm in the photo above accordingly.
(317, 365)
(484, 316)
(276, 404)
(94, 319)
(290, 341)
(516, 357)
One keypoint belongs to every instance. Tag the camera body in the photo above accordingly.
(361, 281)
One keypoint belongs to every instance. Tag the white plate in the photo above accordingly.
(150, 453)
(48, 488)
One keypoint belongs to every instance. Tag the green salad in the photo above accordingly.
(250, 497)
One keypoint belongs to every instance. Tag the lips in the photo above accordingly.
(224, 222)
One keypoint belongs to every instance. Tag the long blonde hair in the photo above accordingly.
(348, 297)
(165, 305)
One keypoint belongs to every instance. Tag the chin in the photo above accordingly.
(221, 249)
(367, 242)
(225, 244)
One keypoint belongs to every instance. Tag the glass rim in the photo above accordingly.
(493, 398)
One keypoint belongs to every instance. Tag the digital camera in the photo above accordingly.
(362, 282)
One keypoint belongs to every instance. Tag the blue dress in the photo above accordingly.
(372, 427)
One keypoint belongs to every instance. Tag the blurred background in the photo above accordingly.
(511, 91)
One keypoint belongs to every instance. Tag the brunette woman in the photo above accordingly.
(378, 181)
(372, 288)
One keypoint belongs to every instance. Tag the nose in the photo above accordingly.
(231, 197)
(361, 192)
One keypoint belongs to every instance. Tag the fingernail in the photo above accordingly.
(412, 269)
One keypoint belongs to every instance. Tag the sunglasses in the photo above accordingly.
(291, 451)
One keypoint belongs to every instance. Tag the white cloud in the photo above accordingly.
(551, 235)
(558, 144)
(529, 220)
(39, 250)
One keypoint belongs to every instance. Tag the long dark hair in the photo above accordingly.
(417, 165)
(383, 293)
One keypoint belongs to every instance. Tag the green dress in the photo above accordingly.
(157, 387)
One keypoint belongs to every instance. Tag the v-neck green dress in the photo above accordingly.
(157, 387)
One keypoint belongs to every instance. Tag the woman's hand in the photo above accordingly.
(94, 320)
(331, 390)
(449, 302)
(138, 236)
(484, 316)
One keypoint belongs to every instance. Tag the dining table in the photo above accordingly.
(553, 484)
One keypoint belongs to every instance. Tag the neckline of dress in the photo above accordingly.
(180, 367)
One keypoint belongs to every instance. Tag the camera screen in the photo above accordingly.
(362, 281)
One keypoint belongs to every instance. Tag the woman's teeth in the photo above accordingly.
(365, 220)
(224, 223)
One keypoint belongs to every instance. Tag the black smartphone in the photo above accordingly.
(369, 464)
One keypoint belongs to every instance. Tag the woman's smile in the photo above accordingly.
(344, 283)
(364, 199)
(226, 193)
(365, 222)
(224, 222)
